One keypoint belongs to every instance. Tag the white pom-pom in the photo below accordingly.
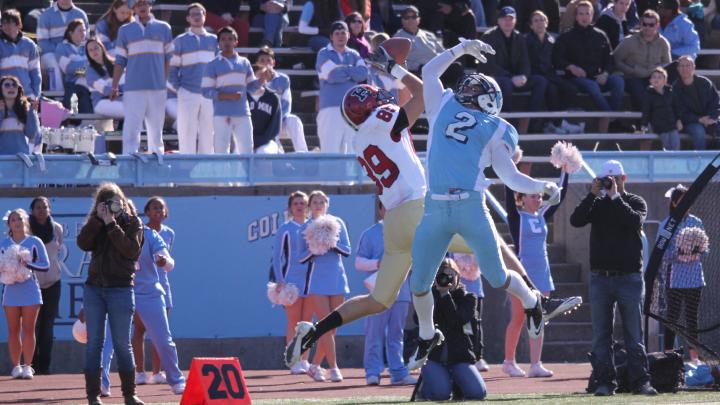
(469, 268)
(566, 156)
(691, 243)
(282, 294)
(273, 293)
(12, 268)
(322, 235)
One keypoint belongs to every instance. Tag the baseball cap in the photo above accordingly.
(506, 11)
(338, 25)
(132, 3)
(612, 168)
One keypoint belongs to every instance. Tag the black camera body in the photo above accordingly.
(113, 206)
(443, 280)
(607, 182)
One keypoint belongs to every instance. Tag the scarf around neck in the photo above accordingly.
(46, 231)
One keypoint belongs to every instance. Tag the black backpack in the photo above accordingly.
(667, 370)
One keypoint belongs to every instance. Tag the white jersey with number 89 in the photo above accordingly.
(387, 154)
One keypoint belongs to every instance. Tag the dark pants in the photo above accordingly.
(676, 297)
(44, 327)
(615, 85)
(627, 293)
(536, 85)
(83, 96)
(561, 95)
(636, 87)
(478, 344)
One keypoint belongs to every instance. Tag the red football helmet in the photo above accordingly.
(360, 101)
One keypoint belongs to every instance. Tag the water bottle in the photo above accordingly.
(74, 104)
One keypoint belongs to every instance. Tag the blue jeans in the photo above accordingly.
(671, 140)
(318, 42)
(697, 132)
(615, 85)
(385, 330)
(117, 305)
(438, 381)
(536, 85)
(479, 11)
(627, 293)
(273, 25)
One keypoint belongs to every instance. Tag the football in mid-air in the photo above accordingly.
(397, 48)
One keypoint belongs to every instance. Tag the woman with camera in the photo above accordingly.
(22, 299)
(450, 369)
(114, 235)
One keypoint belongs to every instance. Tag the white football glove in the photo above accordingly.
(476, 48)
(381, 60)
(551, 194)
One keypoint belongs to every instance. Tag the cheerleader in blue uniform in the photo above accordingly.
(157, 212)
(528, 226)
(327, 285)
(288, 270)
(22, 300)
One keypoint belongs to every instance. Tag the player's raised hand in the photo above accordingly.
(380, 60)
(552, 192)
(477, 48)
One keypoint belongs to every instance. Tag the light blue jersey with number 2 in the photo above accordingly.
(458, 150)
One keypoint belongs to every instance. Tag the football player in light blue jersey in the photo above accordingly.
(466, 136)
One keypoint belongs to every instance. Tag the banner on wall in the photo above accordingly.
(222, 251)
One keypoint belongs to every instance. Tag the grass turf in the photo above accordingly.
(517, 399)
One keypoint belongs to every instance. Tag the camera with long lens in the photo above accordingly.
(113, 206)
(607, 182)
(443, 279)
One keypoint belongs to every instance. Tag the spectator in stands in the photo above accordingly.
(357, 39)
(526, 8)
(425, 46)
(339, 68)
(452, 363)
(192, 51)
(51, 233)
(696, 102)
(383, 17)
(560, 94)
(266, 115)
(21, 300)
(470, 278)
(19, 121)
(616, 276)
(292, 126)
(227, 80)
(73, 64)
(99, 79)
(613, 23)
(29, 9)
(643, 5)
(318, 21)
(144, 48)
(678, 30)
(50, 29)
(452, 19)
(356, 6)
(272, 17)
(639, 54)
(658, 111)
(20, 55)
(223, 13)
(107, 26)
(567, 19)
(383, 331)
(584, 54)
(114, 235)
(510, 65)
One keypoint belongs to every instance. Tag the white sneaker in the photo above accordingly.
(178, 388)
(300, 367)
(538, 371)
(27, 373)
(105, 391)
(335, 375)
(16, 371)
(141, 378)
(316, 373)
(511, 368)
(571, 128)
(158, 378)
(482, 365)
(408, 380)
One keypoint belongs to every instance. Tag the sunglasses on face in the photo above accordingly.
(10, 85)
(649, 25)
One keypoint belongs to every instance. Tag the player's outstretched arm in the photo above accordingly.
(504, 167)
(431, 72)
(382, 61)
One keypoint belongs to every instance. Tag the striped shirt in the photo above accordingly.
(101, 85)
(191, 54)
(338, 72)
(16, 137)
(144, 50)
(229, 75)
(102, 31)
(20, 58)
(280, 84)
(52, 24)
(72, 61)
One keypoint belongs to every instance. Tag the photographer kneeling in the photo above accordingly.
(452, 363)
